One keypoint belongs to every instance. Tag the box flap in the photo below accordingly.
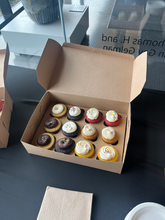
(47, 63)
(65, 205)
(4, 58)
(4, 135)
(76, 69)
(139, 75)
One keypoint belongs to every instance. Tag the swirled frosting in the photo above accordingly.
(57, 109)
(74, 111)
(111, 116)
(89, 130)
(107, 152)
(83, 147)
(92, 113)
(108, 133)
(69, 127)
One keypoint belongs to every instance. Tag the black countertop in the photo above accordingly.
(24, 177)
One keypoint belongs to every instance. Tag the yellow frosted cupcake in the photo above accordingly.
(84, 149)
(107, 153)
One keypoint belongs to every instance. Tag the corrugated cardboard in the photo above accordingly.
(86, 77)
(65, 205)
(4, 96)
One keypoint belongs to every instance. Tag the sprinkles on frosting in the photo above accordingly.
(43, 138)
(73, 109)
(65, 140)
(112, 116)
(92, 113)
(107, 152)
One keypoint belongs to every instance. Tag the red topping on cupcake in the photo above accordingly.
(95, 120)
(1, 105)
(108, 123)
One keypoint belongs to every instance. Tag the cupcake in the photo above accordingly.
(52, 125)
(109, 135)
(107, 153)
(89, 132)
(45, 141)
(75, 113)
(112, 118)
(84, 149)
(58, 110)
(70, 129)
(65, 145)
(93, 115)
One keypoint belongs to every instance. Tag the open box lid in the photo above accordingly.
(81, 70)
(4, 58)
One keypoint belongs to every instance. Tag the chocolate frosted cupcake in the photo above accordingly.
(70, 129)
(45, 141)
(65, 145)
(52, 125)
(75, 113)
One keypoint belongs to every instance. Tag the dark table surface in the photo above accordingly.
(24, 177)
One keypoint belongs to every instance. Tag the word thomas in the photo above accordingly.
(151, 45)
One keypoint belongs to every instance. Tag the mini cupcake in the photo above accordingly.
(65, 145)
(107, 153)
(45, 141)
(75, 113)
(70, 129)
(93, 115)
(58, 110)
(89, 132)
(84, 149)
(109, 135)
(52, 125)
(112, 118)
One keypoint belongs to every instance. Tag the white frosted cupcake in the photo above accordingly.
(89, 132)
(107, 153)
(58, 110)
(75, 113)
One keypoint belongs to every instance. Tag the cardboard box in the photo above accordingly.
(134, 24)
(5, 114)
(87, 77)
(74, 205)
